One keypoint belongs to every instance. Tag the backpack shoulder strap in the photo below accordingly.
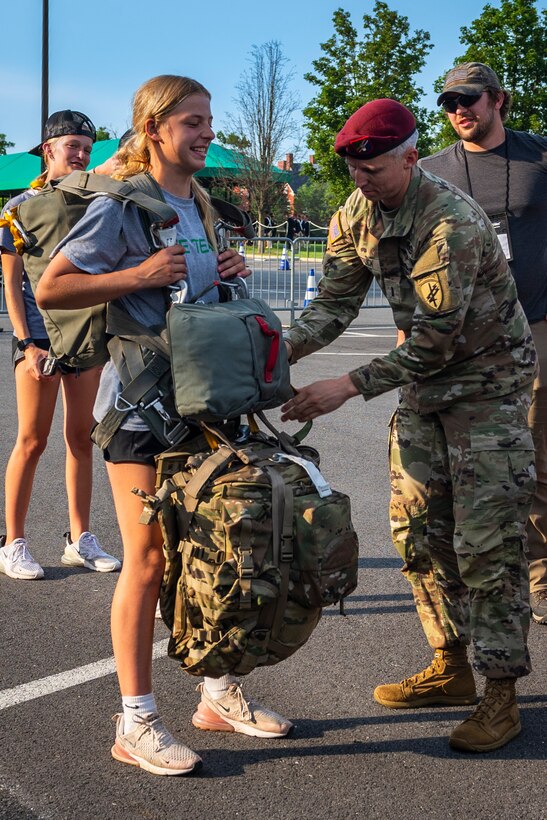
(142, 190)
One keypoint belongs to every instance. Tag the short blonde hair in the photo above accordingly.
(40, 180)
(156, 99)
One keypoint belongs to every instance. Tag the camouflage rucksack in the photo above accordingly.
(256, 543)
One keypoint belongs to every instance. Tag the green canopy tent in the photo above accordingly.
(18, 170)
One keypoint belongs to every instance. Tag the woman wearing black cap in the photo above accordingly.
(68, 138)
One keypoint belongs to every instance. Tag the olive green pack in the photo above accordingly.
(78, 336)
(256, 544)
(227, 359)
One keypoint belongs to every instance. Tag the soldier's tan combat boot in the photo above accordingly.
(448, 681)
(494, 722)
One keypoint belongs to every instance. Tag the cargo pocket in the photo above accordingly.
(503, 465)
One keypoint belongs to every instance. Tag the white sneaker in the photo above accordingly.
(87, 552)
(158, 610)
(151, 747)
(17, 562)
(233, 712)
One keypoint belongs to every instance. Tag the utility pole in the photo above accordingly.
(45, 68)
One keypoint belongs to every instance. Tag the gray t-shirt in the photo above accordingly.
(110, 238)
(35, 323)
(519, 187)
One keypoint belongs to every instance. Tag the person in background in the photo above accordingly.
(66, 146)
(505, 171)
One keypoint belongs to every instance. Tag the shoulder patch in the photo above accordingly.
(431, 292)
(335, 228)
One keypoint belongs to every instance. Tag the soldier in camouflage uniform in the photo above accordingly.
(461, 454)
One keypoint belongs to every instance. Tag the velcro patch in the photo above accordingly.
(431, 291)
(335, 228)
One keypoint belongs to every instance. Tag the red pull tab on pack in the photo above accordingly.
(274, 347)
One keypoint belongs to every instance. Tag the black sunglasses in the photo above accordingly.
(464, 100)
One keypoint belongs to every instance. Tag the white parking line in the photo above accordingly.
(361, 334)
(64, 680)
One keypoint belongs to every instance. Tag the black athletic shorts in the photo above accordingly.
(141, 446)
(135, 446)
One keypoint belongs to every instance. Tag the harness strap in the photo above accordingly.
(142, 360)
(89, 185)
(142, 388)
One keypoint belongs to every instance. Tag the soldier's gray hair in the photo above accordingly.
(401, 149)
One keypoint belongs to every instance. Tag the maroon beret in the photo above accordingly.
(376, 127)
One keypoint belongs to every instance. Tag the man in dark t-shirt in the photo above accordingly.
(505, 171)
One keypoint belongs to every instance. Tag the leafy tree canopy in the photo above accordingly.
(5, 143)
(382, 62)
(104, 134)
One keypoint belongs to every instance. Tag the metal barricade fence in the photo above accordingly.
(281, 268)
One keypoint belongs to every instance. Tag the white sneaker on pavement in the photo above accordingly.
(17, 562)
(87, 552)
(233, 712)
(152, 747)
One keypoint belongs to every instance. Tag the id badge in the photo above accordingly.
(501, 227)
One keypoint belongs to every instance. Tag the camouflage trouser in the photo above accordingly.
(462, 481)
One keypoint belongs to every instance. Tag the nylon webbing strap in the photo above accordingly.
(245, 564)
(135, 392)
(85, 184)
(288, 443)
(139, 378)
(193, 489)
(207, 635)
(119, 323)
(282, 522)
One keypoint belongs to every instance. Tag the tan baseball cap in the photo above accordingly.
(469, 78)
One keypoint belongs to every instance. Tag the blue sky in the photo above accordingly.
(100, 51)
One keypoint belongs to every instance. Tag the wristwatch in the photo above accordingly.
(22, 344)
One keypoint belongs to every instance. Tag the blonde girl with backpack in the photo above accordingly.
(106, 257)
(68, 138)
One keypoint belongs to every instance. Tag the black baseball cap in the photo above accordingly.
(64, 124)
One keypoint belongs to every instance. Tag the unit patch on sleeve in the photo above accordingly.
(335, 228)
(430, 292)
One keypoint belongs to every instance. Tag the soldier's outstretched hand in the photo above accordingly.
(318, 398)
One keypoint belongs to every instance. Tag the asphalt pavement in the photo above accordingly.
(347, 758)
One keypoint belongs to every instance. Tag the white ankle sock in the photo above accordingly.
(217, 687)
(138, 705)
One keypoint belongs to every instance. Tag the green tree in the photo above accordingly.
(383, 62)
(5, 143)
(104, 134)
(512, 39)
(263, 118)
(234, 141)
(317, 200)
